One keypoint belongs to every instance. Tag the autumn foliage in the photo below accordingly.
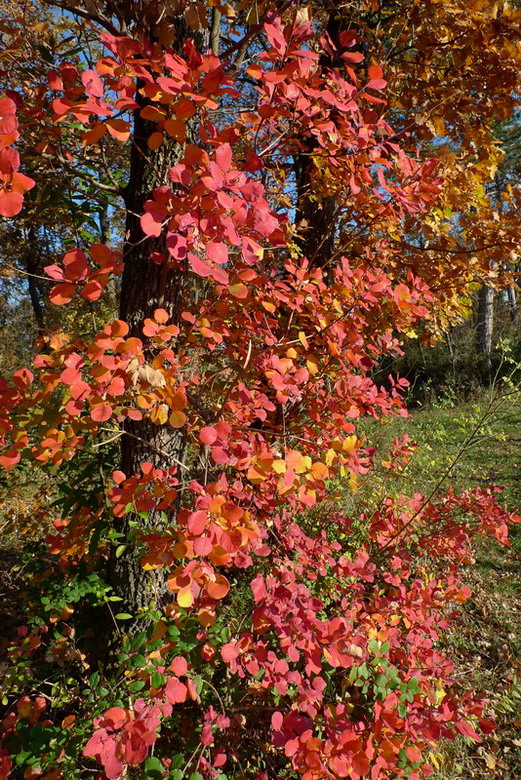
(285, 638)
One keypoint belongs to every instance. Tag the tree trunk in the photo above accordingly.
(512, 304)
(317, 217)
(485, 324)
(145, 287)
(33, 270)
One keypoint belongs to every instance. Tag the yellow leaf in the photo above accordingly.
(330, 457)
(349, 443)
(185, 597)
(312, 365)
(159, 414)
(279, 466)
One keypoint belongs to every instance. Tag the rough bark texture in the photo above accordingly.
(316, 218)
(485, 323)
(145, 287)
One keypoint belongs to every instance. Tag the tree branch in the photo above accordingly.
(100, 19)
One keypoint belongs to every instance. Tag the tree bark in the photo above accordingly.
(146, 286)
(512, 304)
(33, 270)
(317, 217)
(485, 325)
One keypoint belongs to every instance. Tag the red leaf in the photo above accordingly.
(375, 72)
(223, 157)
(413, 753)
(277, 721)
(217, 251)
(9, 160)
(76, 265)
(54, 272)
(175, 691)
(467, 730)
(258, 588)
(179, 666)
(92, 83)
(177, 245)
(117, 717)
(202, 546)
(92, 291)
(197, 523)
(11, 203)
(80, 390)
(207, 435)
(229, 653)
(9, 459)
(101, 412)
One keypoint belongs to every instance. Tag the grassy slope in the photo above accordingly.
(486, 642)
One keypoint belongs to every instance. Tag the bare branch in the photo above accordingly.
(99, 18)
(215, 31)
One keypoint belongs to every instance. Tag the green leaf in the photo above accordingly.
(123, 616)
(153, 767)
(363, 671)
(353, 674)
(139, 661)
(136, 686)
(157, 680)
(120, 550)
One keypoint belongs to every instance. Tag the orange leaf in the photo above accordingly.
(184, 109)
(218, 589)
(177, 419)
(92, 137)
(9, 459)
(155, 140)
(153, 114)
(119, 129)
(176, 129)
(62, 293)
